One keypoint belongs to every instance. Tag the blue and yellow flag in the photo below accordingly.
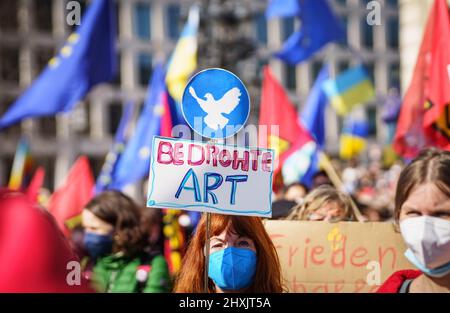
(349, 89)
(22, 165)
(353, 138)
(87, 58)
(183, 61)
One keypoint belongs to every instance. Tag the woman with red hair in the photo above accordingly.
(242, 258)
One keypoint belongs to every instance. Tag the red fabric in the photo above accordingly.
(395, 281)
(68, 201)
(277, 109)
(34, 253)
(416, 127)
(36, 183)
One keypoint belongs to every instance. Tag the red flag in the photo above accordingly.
(35, 256)
(277, 110)
(425, 115)
(69, 200)
(36, 183)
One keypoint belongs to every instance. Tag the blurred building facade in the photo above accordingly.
(31, 31)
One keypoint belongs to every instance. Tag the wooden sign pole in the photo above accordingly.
(207, 247)
(207, 241)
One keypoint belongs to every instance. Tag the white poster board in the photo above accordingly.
(210, 177)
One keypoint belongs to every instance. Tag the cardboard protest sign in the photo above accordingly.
(210, 177)
(337, 257)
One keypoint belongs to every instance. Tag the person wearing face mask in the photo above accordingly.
(422, 210)
(242, 258)
(115, 240)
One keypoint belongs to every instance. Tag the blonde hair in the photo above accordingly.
(317, 198)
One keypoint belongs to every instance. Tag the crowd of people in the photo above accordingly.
(121, 245)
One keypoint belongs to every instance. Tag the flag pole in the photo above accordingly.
(334, 177)
(207, 247)
(207, 242)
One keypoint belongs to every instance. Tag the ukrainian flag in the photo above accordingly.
(353, 138)
(350, 88)
(183, 61)
(22, 165)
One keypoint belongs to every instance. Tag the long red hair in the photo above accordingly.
(268, 273)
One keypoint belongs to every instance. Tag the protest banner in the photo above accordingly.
(210, 177)
(348, 257)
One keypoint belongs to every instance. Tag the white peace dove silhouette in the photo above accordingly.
(215, 108)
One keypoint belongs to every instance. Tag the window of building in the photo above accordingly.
(315, 69)
(173, 24)
(394, 75)
(371, 113)
(344, 23)
(42, 11)
(290, 77)
(116, 11)
(370, 68)
(48, 163)
(47, 126)
(142, 21)
(42, 56)
(288, 25)
(392, 31)
(366, 33)
(144, 68)
(5, 103)
(96, 163)
(261, 28)
(117, 81)
(8, 15)
(342, 66)
(392, 3)
(7, 163)
(9, 64)
(114, 116)
(341, 2)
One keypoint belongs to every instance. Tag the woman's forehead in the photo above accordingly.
(229, 231)
(426, 195)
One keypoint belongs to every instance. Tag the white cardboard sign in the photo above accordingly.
(210, 177)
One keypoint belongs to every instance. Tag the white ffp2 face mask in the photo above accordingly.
(428, 240)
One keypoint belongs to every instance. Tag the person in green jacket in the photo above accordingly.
(115, 241)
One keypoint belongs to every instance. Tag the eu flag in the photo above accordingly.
(319, 27)
(86, 59)
(107, 173)
(134, 162)
(283, 8)
(313, 115)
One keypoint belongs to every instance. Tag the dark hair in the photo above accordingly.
(122, 212)
(431, 166)
(153, 218)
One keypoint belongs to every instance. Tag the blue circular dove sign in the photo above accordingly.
(215, 103)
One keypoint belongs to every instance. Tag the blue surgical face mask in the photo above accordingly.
(440, 271)
(97, 245)
(232, 268)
